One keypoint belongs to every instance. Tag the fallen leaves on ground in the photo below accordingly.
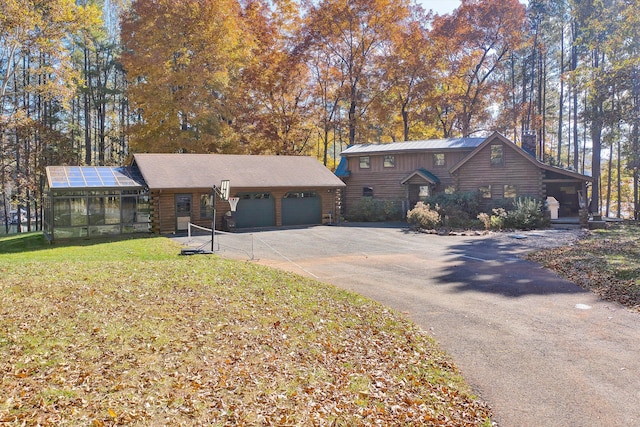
(606, 263)
(204, 341)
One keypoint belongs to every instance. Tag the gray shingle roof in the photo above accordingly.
(431, 144)
(243, 171)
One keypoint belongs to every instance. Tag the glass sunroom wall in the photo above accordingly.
(104, 213)
(135, 210)
(69, 215)
(98, 213)
(47, 214)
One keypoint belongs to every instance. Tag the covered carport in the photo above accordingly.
(569, 189)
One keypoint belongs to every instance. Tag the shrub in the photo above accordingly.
(527, 214)
(498, 218)
(423, 216)
(468, 201)
(456, 209)
(368, 209)
(485, 219)
(496, 221)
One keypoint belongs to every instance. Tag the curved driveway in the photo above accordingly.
(540, 350)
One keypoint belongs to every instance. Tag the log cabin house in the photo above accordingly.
(406, 172)
(163, 193)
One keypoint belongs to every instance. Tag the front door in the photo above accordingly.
(183, 211)
(418, 192)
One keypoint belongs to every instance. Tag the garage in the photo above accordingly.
(255, 209)
(301, 208)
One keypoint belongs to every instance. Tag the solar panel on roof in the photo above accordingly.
(91, 177)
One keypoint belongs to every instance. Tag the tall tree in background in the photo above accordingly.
(36, 82)
(356, 34)
(409, 72)
(181, 57)
(327, 82)
(273, 97)
(474, 41)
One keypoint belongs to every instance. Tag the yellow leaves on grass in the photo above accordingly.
(202, 344)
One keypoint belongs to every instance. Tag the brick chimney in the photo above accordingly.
(529, 143)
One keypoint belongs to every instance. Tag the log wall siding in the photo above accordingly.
(386, 181)
(164, 214)
(516, 170)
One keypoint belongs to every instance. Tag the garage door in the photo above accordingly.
(301, 208)
(255, 210)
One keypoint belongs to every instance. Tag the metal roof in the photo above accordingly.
(174, 171)
(342, 171)
(424, 174)
(60, 177)
(430, 144)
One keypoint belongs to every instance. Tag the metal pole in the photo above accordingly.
(213, 226)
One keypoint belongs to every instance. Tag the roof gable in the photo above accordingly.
(173, 171)
(507, 143)
(421, 173)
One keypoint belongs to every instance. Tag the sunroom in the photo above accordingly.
(90, 201)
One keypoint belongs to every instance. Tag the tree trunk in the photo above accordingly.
(574, 65)
(561, 100)
(87, 110)
(609, 181)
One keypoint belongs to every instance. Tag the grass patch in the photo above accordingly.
(606, 262)
(129, 333)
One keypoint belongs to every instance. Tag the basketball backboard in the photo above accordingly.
(224, 189)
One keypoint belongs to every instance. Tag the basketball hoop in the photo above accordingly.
(233, 202)
(224, 189)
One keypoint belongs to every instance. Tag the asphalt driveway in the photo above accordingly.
(540, 350)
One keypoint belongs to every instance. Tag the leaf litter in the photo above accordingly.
(206, 341)
(606, 262)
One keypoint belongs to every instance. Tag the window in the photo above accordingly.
(365, 162)
(424, 191)
(206, 206)
(367, 191)
(300, 194)
(438, 159)
(389, 161)
(497, 158)
(450, 189)
(104, 210)
(485, 192)
(509, 191)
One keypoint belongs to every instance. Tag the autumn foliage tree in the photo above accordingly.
(409, 72)
(181, 58)
(37, 81)
(474, 42)
(356, 34)
(272, 98)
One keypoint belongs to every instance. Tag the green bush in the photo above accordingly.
(369, 209)
(457, 210)
(422, 216)
(451, 204)
(496, 221)
(527, 214)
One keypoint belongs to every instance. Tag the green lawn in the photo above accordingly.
(607, 262)
(130, 333)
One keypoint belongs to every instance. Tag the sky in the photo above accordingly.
(439, 6)
(444, 6)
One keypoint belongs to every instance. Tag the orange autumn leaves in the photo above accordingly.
(276, 77)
